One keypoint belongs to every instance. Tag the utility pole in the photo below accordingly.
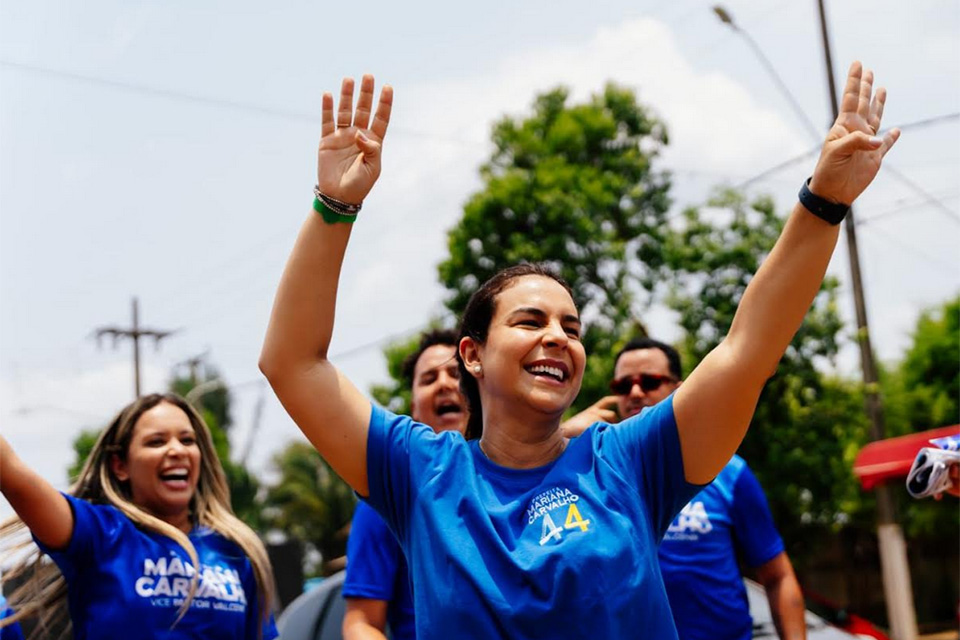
(135, 332)
(893, 550)
(193, 365)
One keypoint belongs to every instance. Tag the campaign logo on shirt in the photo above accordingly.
(557, 504)
(166, 583)
(692, 521)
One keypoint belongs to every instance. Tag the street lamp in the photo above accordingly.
(815, 133)
(893, 557)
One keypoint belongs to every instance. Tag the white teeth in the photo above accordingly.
(556, 372)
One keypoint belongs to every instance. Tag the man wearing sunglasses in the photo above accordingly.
(698, 555)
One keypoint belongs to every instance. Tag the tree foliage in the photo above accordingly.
(796, 442)
(921, 392)
(309, 501)
(573, 186)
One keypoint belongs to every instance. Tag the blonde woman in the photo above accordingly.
(145, 543)
(520, 532)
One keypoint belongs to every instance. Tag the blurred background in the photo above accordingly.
(165, 153)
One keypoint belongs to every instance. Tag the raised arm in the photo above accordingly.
(41, 507)
(330, 411)
(716, 403)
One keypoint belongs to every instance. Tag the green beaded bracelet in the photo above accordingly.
(329, 215)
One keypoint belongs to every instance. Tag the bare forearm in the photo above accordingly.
(41, 507)
(779, 296)
(365, 619)
(302, 319)
(362, 631)
(716, 403)
(787, 608)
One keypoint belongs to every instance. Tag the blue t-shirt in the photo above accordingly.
(376, 569)
(698, 555)
(123, 582)
(9, 632)
(565, 550)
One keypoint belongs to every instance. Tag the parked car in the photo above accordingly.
(318, 615)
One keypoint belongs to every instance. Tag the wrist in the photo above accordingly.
(817, 189)
(820, 206)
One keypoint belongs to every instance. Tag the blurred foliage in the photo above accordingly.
(310, 502)
(572, 186)
(920, 392)
(796, 441)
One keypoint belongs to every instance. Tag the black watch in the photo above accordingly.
(832, 212)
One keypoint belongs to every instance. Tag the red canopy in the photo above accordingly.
(892, 458)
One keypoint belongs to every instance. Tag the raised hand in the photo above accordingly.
(348, 160)
(851, 155)
(599, 411)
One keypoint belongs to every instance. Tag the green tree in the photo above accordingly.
(797, 439)
(573, 186)
(82, 446)
(921, 392)
(310, 502)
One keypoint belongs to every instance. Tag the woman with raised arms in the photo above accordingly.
(144, 544)
(517, 531)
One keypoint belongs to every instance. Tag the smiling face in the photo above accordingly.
(162, 464)
(436, 400)
(532, 355)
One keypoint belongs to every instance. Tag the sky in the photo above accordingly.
(167, 151)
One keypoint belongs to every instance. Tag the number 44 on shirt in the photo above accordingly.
(573, 521)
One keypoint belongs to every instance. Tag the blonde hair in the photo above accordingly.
(42, 594)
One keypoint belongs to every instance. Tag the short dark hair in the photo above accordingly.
(430, 338)
(673, 356)
(475, 324)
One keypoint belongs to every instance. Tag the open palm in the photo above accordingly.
(348, 159)
(852, 153)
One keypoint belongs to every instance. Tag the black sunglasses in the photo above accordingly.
(647, 381)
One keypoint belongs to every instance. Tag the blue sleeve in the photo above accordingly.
(646, 449)
(96, 528)
(9, 632)
(394, 444)
(753, 527)
(254, 621)
(373, 555)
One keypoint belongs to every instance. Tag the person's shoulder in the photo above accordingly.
(399, 425)
(367, 520)
(103, 514)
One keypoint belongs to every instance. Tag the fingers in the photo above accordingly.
(889, 139)
(866, 90)
(361, 117)
(607, 401)
(326, 118)
(858, 141)
(851, 92)
(345, 112)
(605, 415)
(876, 109)
(370, 148)
(382, 117)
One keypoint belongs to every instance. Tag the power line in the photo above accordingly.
(923, 255)
(209, 101)
(926, 122)
(135, 333)
(901, 205)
